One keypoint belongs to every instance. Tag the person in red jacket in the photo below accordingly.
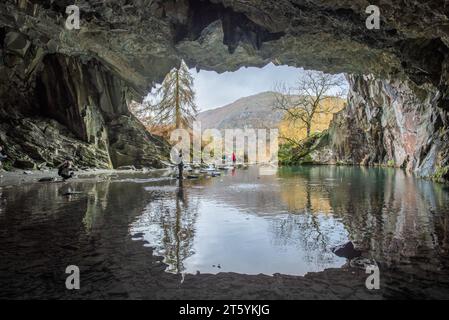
(234, 159)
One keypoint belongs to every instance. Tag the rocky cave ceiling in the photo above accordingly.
(141, 40)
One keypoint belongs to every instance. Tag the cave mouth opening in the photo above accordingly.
(250, 98)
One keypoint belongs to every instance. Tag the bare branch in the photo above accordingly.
(313, 94)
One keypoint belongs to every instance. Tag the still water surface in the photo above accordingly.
(244, 222)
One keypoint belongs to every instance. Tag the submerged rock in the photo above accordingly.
(138, 235)
(362, 263)
(346, 250)
(133, 168)
(47, 179)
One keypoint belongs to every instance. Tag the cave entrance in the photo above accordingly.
(298, 104)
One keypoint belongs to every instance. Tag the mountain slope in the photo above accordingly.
(257, 112)
(250, 112)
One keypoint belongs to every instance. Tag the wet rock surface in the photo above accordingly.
(84, 79)
(72, 110)
(37, 143)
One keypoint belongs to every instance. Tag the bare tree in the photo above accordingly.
(313, 94)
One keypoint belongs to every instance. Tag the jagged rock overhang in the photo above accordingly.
(141, 40)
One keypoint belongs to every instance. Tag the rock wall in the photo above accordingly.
(390, 122)
(55, 106)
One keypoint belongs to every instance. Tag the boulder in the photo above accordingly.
(347, 251)
(25, 164)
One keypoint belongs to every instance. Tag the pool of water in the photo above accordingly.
(248, 221)
(243, 222)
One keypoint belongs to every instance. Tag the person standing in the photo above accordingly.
(2, 157)
(65, 170)
(180, 166)
(234, 158)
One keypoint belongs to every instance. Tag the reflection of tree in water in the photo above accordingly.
(309, 225)
(389, 215)
(304, 189)
(96, 205)
(170, 221)
(312, 231)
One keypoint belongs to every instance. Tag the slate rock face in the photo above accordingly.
(390, 122)
(85, 78)
(73, 109)
(17, 43)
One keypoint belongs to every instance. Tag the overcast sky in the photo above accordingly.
(214, 90)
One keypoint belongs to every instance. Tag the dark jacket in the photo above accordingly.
(64, 170)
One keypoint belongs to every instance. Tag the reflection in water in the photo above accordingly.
(169, 225)
(96, 205)
(315, 235)
(251, 223)
(239, 224)
(244, 222)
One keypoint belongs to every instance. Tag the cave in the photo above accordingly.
(65, 93)
(82, 80)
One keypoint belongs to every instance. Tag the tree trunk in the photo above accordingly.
(177, 237)
(177, 110)
(309, 128)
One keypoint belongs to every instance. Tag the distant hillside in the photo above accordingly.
(257, 112)
(250, 112)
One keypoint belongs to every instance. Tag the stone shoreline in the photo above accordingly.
(20, 177)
